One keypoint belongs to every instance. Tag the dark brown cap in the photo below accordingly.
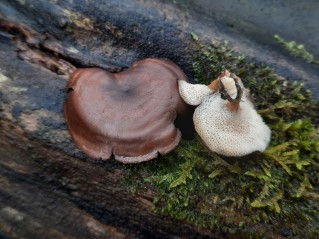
(129, 114)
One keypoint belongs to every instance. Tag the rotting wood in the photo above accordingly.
(48, 188)
(45, 193)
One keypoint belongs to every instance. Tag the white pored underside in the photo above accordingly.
(225, 132)
(230, 133)
(193, 94)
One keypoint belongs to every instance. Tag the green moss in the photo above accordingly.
(297, 50)
(262, 195)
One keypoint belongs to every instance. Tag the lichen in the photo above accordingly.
(297, 50)
(264, 195)
(79, 20)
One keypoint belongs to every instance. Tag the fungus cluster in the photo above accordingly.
(225, 118)
(129, 114)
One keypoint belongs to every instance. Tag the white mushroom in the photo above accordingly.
(193, 94)
(225, 118)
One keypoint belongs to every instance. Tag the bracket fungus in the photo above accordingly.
(225, 118)
(129, 114)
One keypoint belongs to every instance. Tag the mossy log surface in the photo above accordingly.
(48, 188)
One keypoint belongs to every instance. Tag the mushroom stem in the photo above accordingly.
(218, 85)
(214, 85)
(232, 104)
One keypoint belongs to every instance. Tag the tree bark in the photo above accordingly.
(48, 188)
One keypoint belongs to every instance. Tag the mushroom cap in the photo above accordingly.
(231, 133)
(129, 114)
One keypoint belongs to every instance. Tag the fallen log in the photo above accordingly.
(48, 188)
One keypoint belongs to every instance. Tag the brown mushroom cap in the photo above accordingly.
(130, 114)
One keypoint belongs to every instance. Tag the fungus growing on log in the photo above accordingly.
(225, 118)
(129, 114)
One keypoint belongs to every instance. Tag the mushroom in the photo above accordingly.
(129, 114)
(226, 119)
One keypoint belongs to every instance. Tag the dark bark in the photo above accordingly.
(48, 188)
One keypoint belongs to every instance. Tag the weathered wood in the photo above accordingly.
(44, 190)
(115, 34)
(45, 193)
(48, 188)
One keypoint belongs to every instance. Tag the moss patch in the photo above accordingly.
(268, 194)
(297, 50)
